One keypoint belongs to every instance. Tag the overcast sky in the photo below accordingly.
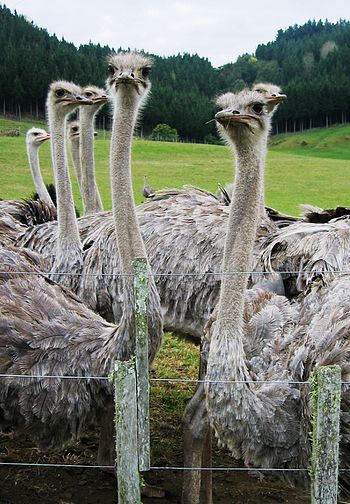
(220, 30)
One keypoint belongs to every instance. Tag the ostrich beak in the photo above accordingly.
(81, 100)
(274, 100)
(226, 116)
(100, 99)
(43, 138)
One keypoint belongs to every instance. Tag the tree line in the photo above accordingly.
(311, 62)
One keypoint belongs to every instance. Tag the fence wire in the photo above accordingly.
(175, 274)
(162, 468)
(166, 380)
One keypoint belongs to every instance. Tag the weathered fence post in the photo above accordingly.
(142, 382)
(126, 432)
(326, 394)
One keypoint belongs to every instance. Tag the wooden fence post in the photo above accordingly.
(126, 432)
(326, 395)
(140, 270)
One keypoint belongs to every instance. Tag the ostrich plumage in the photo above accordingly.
(305, 249)
(189, 222)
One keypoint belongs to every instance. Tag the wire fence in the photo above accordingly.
(166, 380)
(175, 274)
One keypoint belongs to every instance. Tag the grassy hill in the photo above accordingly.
(333, 143)
(312, 167)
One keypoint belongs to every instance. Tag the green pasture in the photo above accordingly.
(331, 143)
(312, 167)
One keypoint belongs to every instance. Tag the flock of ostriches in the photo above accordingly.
(61, 314)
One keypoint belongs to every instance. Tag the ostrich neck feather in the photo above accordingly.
(130, 243)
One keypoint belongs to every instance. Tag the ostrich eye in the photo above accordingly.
(36, 134)
(110, 70)
(88, 94)
(60, 92)
(258, 108)
(75, 128)
(146, 71)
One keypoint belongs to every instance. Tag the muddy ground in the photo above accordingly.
(91, 486)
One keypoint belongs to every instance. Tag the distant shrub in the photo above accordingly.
(164, 132)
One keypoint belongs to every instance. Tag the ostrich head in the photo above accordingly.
(128, 72)
(36, 136)
(73, 130)
(97, 95)
(244, 118)
(63, 97)
(272, 93)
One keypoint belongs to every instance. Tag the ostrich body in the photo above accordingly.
(169, 223)
(91, 196)
(52, 331)
(305, 249)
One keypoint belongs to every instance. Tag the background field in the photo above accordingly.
(312, 167)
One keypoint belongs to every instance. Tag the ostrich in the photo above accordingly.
(63, 97)
(266, 424)
(91, 196)
(32, 211)
(34, 138)
(273, 94)
(147, 190)
(52, 332)
(244, 123)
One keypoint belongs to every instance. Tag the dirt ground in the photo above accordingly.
(91, 486)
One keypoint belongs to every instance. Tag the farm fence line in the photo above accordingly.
(131, 387)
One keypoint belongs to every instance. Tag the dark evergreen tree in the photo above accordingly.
(311, 62)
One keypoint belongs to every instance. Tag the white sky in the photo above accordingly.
(220, 30)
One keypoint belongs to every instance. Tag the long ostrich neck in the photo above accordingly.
(130, 243)
(68, 233)
(90, 194)
(241, 233)
(33, 158)
(226, 359)
(74, 150)
(262, 190)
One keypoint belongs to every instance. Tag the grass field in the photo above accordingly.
(312, 167)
